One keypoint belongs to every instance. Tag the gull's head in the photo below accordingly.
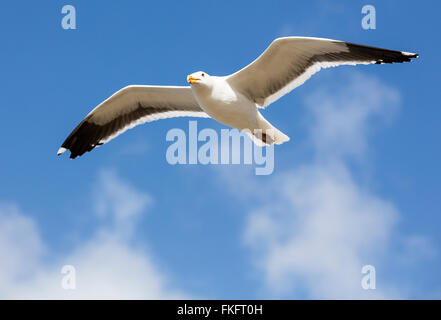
(198, 78)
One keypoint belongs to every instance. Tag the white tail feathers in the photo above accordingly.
(280, 137)
(266, 133)
(267, 137)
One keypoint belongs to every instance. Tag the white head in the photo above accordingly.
(199, 78)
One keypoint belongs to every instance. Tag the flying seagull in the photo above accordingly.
(233, 100)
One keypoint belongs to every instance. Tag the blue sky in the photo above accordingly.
(357, 184)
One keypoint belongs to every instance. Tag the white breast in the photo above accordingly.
(225, 105)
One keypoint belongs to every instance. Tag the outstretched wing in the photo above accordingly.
(127, 108)
(288, 62)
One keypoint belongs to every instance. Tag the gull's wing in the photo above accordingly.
(127, 108)
(288, 62)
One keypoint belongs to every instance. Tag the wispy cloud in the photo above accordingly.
(323, 229)
(108, 265)
(343, 117)
(119, 202)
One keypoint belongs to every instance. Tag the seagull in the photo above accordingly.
(232, 100)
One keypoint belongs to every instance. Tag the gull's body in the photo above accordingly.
(225, 105)
(222, 103)
(233, 100)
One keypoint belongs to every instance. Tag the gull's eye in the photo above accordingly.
(203, 74)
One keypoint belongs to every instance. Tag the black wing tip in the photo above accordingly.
(397, 57)
(61, 151)
(73, 155)
(76, 152)
(83, 139)
(405, 57)
(410, 55)
(380, 55)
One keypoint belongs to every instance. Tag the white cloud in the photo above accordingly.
(20, 245)
(344, 116)
(107, 266)
(321, 235)
(120, 202)
(318, 225)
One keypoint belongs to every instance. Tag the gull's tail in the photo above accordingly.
(266, 134)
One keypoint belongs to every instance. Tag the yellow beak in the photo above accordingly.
(191, 79)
